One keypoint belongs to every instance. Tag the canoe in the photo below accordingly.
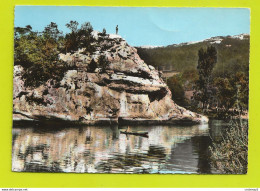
(139, 133)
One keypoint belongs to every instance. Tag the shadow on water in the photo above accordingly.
(102, 149)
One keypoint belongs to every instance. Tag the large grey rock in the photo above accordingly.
(129, 91)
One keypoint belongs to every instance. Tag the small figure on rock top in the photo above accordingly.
(116, 29)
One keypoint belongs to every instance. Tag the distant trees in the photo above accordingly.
(206, 62)
(241, 83)
(218, 76)
(190, 77)
(180, 83)
(225, 93)
(175, 84)
(221, 93)
(232, 92)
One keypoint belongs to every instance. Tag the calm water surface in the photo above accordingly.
(91, 149)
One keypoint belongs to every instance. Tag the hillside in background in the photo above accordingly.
(233, 55)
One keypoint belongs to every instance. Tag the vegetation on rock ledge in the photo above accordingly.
(38, 52)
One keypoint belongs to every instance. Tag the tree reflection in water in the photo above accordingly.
(168, 149)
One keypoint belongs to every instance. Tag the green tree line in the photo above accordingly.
(224, 95)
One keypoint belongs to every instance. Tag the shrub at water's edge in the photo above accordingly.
(230, 156)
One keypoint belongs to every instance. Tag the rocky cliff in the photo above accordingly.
(125, 90)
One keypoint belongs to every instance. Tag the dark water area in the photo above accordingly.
(92, 149)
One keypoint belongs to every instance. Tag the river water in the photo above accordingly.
(92, 149)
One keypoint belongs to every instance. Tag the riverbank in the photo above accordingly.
(42, 121)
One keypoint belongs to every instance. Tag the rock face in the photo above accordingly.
(126, 91)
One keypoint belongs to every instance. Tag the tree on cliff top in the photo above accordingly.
(79, 38)
(51, 31)
(38, 54)
(73, 26)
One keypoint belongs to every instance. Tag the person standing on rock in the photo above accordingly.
(116, 29)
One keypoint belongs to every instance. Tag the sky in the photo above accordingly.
(142, 25)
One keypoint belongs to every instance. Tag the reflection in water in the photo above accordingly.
(168, 149)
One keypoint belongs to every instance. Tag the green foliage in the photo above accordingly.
(73, 26)
(233, 56)
(20, 31)
(26, 47)
(232, 92)
(175, 84)
(230, 156)
(52, 32)
(71, 44)
(79, 38)
(225, 93)
(38, 54)
(241, 82)
(207, 61)
(231, 69)
(189, 78)
(87, 27)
